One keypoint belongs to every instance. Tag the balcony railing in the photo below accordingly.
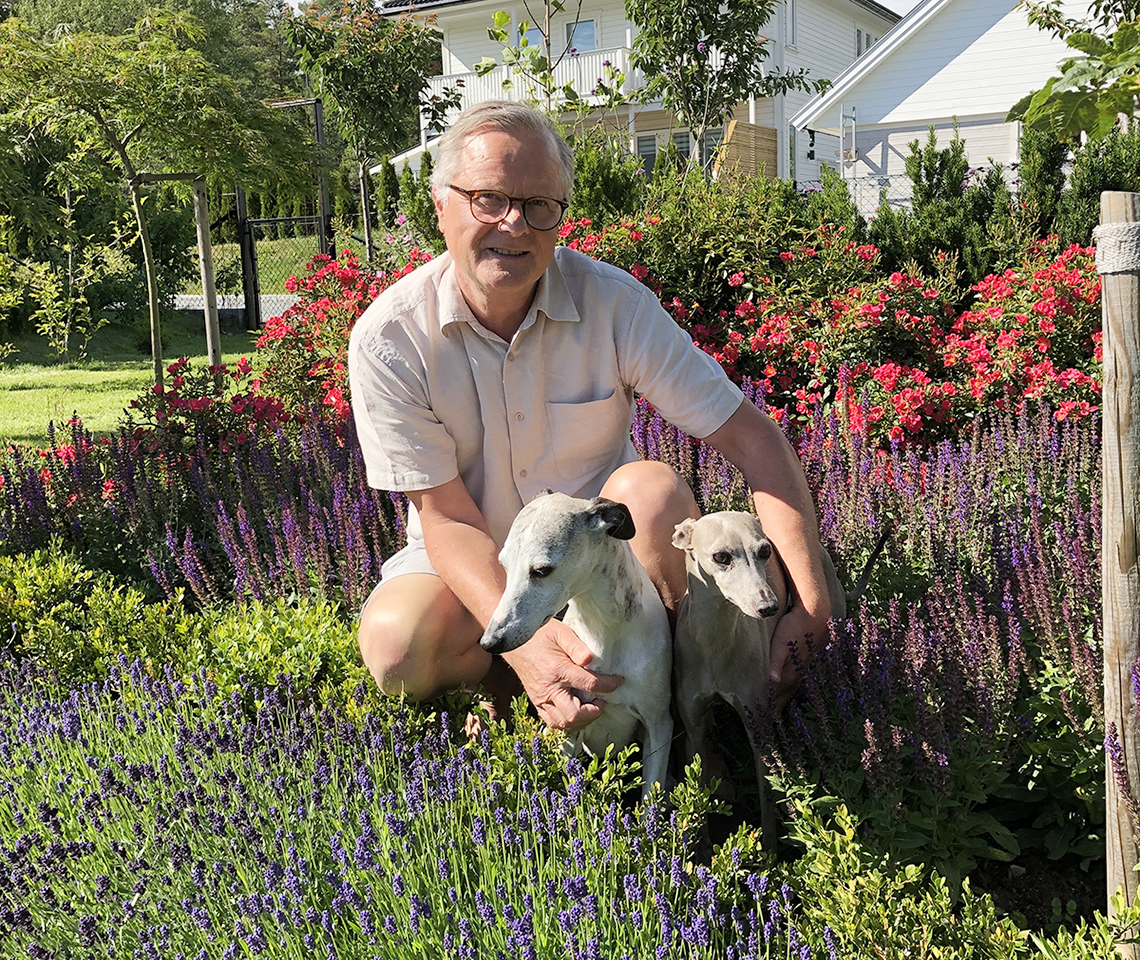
(582, 69)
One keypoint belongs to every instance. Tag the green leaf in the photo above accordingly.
(485, 66)
(1089, 43)
(502, 19)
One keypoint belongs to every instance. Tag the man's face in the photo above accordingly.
(499, 264)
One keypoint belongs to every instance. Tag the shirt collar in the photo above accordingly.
(553, 298)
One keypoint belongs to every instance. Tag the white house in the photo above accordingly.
(822, 36)
(947, 61)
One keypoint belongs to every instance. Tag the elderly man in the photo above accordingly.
(509, 365)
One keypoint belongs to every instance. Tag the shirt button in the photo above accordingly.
(518, 416)
(522, 473)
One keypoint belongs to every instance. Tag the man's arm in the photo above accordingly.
(463, 552)
(755, 444)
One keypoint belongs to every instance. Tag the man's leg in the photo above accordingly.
(417, 639)
(658, 499)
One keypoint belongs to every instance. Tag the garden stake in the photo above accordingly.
(1118, 259)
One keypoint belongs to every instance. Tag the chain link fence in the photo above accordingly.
(868, 192)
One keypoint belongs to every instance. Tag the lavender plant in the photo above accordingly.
(958, 712)
(145, 816)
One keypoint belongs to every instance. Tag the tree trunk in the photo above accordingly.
(151, 285)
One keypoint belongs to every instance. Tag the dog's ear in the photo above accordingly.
(683, 534)
(611, 517)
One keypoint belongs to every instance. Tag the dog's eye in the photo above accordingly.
(538, 573)
(722, 558)
(765, 551)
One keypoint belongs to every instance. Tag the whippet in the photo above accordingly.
(565, 552)
(737, 591)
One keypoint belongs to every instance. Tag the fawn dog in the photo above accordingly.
(737, 591)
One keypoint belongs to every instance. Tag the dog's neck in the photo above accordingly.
(610, 597)
(710, 614)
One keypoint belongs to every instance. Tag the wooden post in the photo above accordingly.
(206, 264)
(1121, 504)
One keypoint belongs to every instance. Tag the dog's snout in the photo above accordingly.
(769, 610)
(492, 642)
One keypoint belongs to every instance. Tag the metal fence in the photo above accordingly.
(868, 192)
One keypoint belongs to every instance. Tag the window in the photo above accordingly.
(533, 37)
(647, 150)
(581, 36)
(790, 22)
(863, 42)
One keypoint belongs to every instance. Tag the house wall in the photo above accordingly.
(973, 58)
(465, 40)
(818, 35)
(825, 44)
(883, 148)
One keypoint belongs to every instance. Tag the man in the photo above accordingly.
(509, 365)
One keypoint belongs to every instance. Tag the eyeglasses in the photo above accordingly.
(490, 206)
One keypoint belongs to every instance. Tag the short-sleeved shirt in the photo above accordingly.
(436, 395)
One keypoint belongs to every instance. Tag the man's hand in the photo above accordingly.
(551, 666)
(791, 633)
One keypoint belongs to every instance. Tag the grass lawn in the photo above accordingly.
(36, 389)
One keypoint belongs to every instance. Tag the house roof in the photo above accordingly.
(811, 113)
(406, 6)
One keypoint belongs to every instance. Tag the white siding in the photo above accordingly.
(883, 148)
(825, 46)
(974, 58)
(465, 30)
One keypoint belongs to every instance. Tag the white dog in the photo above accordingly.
(565, 552)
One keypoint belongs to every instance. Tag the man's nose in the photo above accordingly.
(514, 221)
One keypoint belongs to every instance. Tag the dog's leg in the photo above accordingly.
(767, 807)
(655, 752)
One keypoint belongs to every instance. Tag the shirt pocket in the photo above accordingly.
(587, 436)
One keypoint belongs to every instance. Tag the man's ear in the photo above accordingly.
(683, 534)
(613, 518)
(438, 203)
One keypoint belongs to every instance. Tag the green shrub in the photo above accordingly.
(953, 212)
(417, 204)
(609, 181)
(387, 194)
(1109, 164)
(246, 646)
(76, 623)
(1040, 181)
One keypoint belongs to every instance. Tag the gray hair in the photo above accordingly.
(509, 117)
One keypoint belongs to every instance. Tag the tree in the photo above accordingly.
(144, 104)
(241, 37)
(1096, 86)
(701, 59)
(372, 70)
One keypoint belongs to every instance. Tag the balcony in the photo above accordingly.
(582, 69)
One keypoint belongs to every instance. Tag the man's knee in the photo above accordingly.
(408, 644)
(655, 488)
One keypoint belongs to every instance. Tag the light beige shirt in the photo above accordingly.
(436, 395)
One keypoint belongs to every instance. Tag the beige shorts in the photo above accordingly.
(411, 558)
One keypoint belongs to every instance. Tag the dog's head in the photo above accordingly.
(729, 550)
(555, 543)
